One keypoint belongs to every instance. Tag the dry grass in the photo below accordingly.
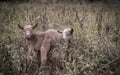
(96, 27)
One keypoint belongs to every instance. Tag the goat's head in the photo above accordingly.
(68, 33)
(28, 30)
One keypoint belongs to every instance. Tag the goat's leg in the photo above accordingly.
(44, 51)
(29, 57)
(39, 58)
(30, 50)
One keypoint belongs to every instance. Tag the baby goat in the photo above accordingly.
(44, 41)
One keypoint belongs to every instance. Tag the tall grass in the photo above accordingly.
(96, 32)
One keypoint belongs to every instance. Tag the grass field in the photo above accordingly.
(96, 27)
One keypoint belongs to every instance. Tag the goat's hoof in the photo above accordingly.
(36, 50)
(40, 73)
(43, 68)
(45, 72)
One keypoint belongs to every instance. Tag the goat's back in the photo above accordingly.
(55, 35)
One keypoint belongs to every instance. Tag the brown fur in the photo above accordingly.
(41, 41)
(55, 37)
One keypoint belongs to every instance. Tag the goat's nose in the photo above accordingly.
(27, 36)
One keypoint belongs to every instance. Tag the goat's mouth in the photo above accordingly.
(28, 37)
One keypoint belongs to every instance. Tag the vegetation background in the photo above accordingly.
(96, 24)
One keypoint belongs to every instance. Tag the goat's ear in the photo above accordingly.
(71, 31)
(21, 27)
(35, 25)
(59, 31)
